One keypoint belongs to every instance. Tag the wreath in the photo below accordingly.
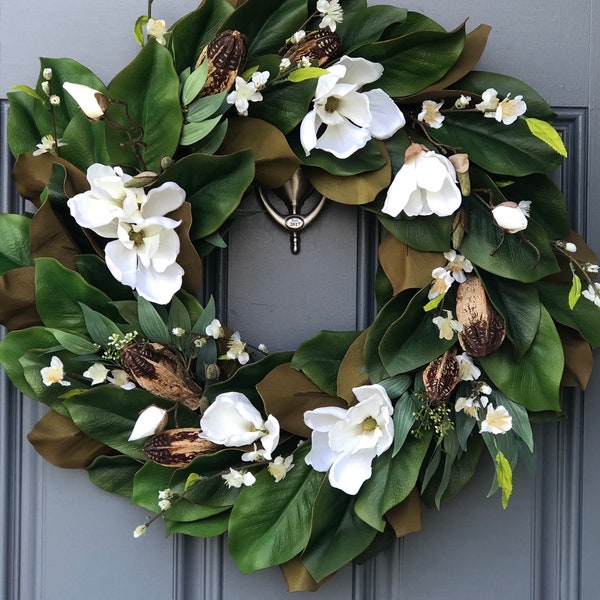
(309, 459)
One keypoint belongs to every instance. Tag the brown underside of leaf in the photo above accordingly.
(349, 373)
(579, 358)
(405, 517)
(17, 299)
(298, 578)
(187, 258)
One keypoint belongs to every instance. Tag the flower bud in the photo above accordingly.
(150, 421)
(509, 216)
(47, 73)
(92, 102)
(141, 180)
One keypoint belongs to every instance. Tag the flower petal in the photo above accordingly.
(159, 287)
(164, 199)
(386, 117)
(349, 471)
(343, 140)
(360, 70)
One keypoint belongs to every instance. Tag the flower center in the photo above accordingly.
(137, 237)
(369, 424)
(332, 103)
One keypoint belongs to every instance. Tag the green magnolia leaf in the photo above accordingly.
(194, 132)
(14, 233)
(85, 142)
(415, 60)
(504, 476)
(545, 132)
(59, 293)
(413, 340)
(29, 91)
(99, 327)
(214, 186)
(533, 379)
(521, 425)
(148, 481)
(204, 528)
(584, 316)
(194, 83)
(337, 535)
(149, 90)
(22, 131)
(94, 270)
(114, 474)
(306, 73)
(320, 357)
(575, 291)
(393, 479)
(266, 512)
(152, 323)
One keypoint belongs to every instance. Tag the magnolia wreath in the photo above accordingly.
(487, 300)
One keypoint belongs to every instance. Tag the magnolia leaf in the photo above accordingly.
(320, 357)
(297, 577)
(545, 132)
(579, 359)
(287, 394)
(275, 162)
(194, 83)
(306, 73)
(138, 32)
(29, 91)
(532, 379)
(14, 233)
(266, 512)
(17, 299)
(151, 478)
(94, 270)
(184, 511)
(114, 474)
(504, 477)
(352, 373)
(405, 517)
(62, 444)
(205, 528)
(575, 291)
(22, 132)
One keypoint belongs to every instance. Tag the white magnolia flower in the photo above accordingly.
(280, 467)
(97, 373)
(425, 185)
(489, 103)
(244, 93)
(55, 373)
(510, 109)
(92, 102)
(236, 349)
(120, 378)
(157, 28)
(462, 102)
(150, 421)
(345, 441)
(442, 280)
(511, 216)
(237, 479)
(140, 530)
(458, 265)
(447, 325)
(332, 13)
(350, 118)
(215, 329)
(592, 293)
(467, 371)
(48, 145)
(232, 420)
(497, 420)
(430, 114)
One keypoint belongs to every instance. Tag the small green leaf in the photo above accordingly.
(194, 132)
(306, 73)
(575, 291)
(73, 343)
(14, 233)
(98, 326)
(545, 132)
(29, 91)
(194, 83)
(504, 477)
(138, 31)
(201, 109)
(152, 324)
(114, 474)
(404, 418)
(432, 304)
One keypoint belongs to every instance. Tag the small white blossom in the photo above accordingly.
(298, 36)
(97, 373)
(510, 109)
(54, 373)
(592, 293)
(254, 455)
(590, 268)
(280, 467)
(165, 494)
(263, 348)
(304, 62)
(430, 114)
(285, 64)
(120, 378)
(237, 478)
(47, 73)
(462, 102)
(442, 280)
(178, 331)
(331, 13)
(260, 78)
(46, 87)
(447, 325)
(140, 530)
(157, 28)
(244, 93)
(48, 145)
(471, 405)
(497, 420)
(164, 504)
(200, 342)
(467, 371)
(236, 349)
(55, 100)
(150, 421)
(215, 329)
(458, 265)
(489, 103)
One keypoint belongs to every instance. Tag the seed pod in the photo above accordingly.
(226, 55)
(483, 327)
(178, 447)
(160, 371)
(441, 377)
(321, 45)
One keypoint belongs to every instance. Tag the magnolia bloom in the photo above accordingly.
(280, 467)
(506, 111)
(92, 102)
(215, 329)
(150, 421)
(97, 373)
(447, 325)
(244, 93)
(237, 349)
(458, 265)
(157, 28)
(232, 420)
(120, 378)
(332, 13)
(55, 373)
(442, 280)
(350, 118)
(48, 145)
(511, 216)
(425, 185)
(431, 115)
(467, 371)
(237, 479)
(497, 420)
(592, 293)
(345, 441)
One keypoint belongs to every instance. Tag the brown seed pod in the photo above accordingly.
(441, 377)
(321, 45)
(483, 327)
(178, 447)
(226, 55)
(160, 371)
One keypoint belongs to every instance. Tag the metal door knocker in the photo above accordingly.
(295, 194)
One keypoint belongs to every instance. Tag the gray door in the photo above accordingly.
(65, 539)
